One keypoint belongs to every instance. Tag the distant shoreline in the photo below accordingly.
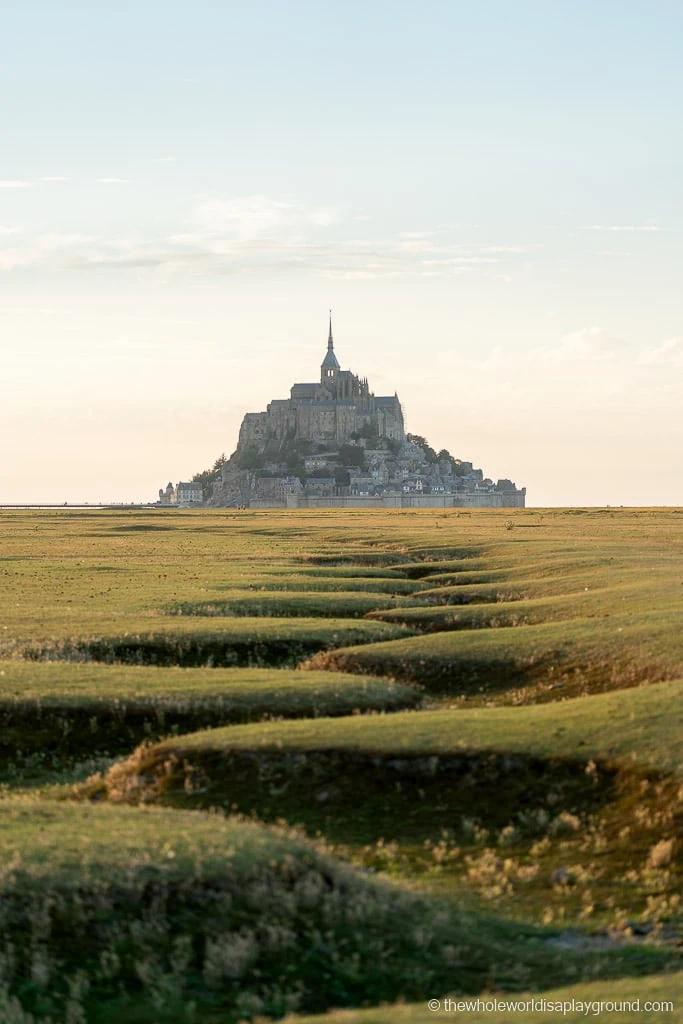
(112, 505)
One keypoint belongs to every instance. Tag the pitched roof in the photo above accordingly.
(330, 362)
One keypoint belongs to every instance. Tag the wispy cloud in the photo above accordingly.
(55, 177)
(623, 227)
(14, 183)
(245, 218)
(34, 311)
(113, 181)
(11, 259)
(52, 250)
(324, 216)
(590, 344)
(257, 233)
(667, 353)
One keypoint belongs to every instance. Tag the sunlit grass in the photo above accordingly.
(497, 793)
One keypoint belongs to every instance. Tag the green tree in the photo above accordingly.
(209, 476)
(368, 431)
(351, 455)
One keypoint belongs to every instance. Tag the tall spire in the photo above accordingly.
(330, 365)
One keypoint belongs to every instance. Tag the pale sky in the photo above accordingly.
(488, 195)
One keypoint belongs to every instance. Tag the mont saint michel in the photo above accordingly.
(334, 443)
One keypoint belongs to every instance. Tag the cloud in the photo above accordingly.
(590, 344)
(55, 177)
(14, 184)
(113, 181)
(324, 216)
(623, 227)
(253, 243)
(56, 241)
(45, 250)
(245, 218)
(496, 358)
(11, 259)
(667, 353)
(163, 159)
(34, 310)
(262, 233)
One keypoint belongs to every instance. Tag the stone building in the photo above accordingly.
(184, 493)
(327, 411)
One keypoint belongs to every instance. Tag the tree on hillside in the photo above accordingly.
(351, 455)
(421, 442)
(209, 476)
(368, 431)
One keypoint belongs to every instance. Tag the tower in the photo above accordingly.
(329, 368)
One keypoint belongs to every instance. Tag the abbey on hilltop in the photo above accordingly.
(331, 410)
(333, 442)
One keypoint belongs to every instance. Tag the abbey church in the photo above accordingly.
(332, 409)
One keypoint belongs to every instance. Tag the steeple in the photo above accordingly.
(330, 366)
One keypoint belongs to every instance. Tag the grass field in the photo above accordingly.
(472, 717)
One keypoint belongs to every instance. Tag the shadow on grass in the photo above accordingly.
(353, 796)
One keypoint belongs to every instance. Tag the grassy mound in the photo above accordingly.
(625, 998)
(470, 593)
(315, 584)
(352, 558)
(640, 726)
(556, 658)
(495, 607)
(229, 641)
(344, 604)
(523, 750)
(431, 565)
(464, 578)
(112, 914)
(571, 806)
(55, 714)
(348, 571)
